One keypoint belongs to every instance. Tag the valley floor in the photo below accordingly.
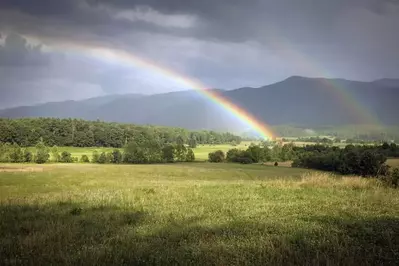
(199, 213)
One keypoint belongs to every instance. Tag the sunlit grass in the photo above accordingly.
(200, 213)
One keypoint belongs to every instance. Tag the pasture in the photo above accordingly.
(198, 213)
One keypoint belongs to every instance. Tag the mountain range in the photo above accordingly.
(295, 100)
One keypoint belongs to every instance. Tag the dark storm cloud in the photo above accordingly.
(17, 52)
(225, 43)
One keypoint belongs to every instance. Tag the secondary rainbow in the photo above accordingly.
(122, 56)
(284, 48)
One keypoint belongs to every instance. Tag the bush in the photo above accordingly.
(66, 157)
(95, 157)
(190, 157)
(16, 155)
(117, 157)
(84, 159)
(109, 157)
(102, 159)
(4, 152)
(392, 179)
(55, 155)
(28, 156)
(216, 157)
(168, 153)
(42, 154)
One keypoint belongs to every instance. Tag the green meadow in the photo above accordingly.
(193, 214)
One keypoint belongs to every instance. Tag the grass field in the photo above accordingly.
(199, 213)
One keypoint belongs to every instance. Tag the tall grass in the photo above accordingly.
(201, 214)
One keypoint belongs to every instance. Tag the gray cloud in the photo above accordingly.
(224, 44)
(17, 52)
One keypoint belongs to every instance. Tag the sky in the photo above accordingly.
(223, 44)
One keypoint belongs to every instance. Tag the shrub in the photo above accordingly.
(190, 157)
(4, 152)
(216, 157)
(117, 157)
(180, 153)
(95, 157)
(168, 153)
(232, 155)
(28, 156)
(102, 159)
(16, 155)
(109, 157)
(66, 157)
(84, 159)
(42, 154)
(55, 155)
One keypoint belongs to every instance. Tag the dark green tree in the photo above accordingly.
(168, 153)
(192, 142)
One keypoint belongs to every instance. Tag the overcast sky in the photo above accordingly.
(224, 44)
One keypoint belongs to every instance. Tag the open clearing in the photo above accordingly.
(199, 213)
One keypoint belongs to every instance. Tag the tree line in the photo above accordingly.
(80, 133)
(146, 151)
(365, 161)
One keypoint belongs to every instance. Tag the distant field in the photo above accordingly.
(193, 214)
(201, 152)
(393, 162)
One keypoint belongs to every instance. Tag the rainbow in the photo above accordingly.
(122, 56)
(284, 48)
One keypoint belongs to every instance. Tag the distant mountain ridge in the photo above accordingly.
(295, 100)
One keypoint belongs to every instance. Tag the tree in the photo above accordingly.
(370, 163)
(179, 140)
(42, 154)
(66, 157)
(168, 153)
(232, 155)
(216, 157)
(190, 157)
(192, 142)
